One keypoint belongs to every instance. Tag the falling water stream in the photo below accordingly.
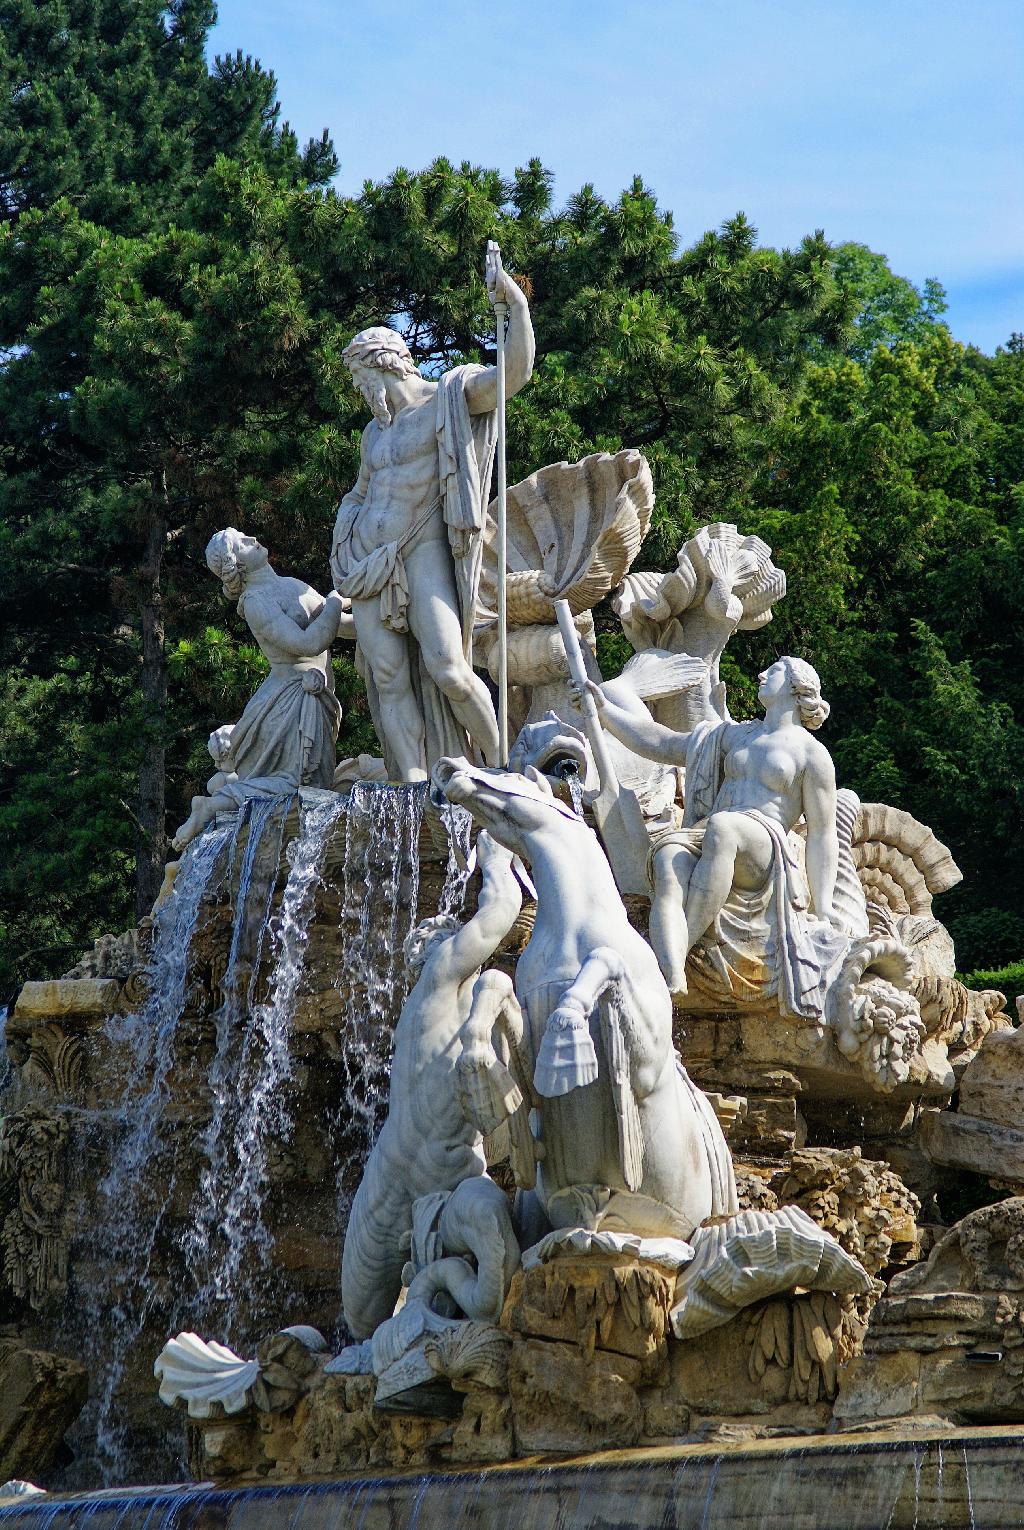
(257, 878)
(458, 824)
(381, 890)
(129, 1212)
(575, 785)
(264, 1117)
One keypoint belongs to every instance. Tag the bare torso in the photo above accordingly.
(402, 483)
(765, 771)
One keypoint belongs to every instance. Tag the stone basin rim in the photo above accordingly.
(851, 1444)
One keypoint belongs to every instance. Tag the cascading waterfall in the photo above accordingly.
(257, 879)
(130, 1213)
(266, 1067)
(381, 888)
(458, 823)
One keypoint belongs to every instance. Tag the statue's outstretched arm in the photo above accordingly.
(500, 900)
(819, 803)
(520, 347)
(641, 734)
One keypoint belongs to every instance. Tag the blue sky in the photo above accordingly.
(899, 124)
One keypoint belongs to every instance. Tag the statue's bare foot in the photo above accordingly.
(674, 974)
(184, 836)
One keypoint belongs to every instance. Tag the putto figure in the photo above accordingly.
(408, 539)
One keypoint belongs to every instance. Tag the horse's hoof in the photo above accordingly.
(566, 1059)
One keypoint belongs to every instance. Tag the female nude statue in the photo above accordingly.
(748, 784)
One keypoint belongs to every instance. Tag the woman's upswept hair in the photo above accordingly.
(811, 704)
(222, 560)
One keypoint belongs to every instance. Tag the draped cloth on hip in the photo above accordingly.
(465, 458)
(381, 572)
(763, 943)
(285, 737)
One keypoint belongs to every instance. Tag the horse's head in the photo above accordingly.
(508, 804)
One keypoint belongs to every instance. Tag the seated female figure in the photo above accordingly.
(748, 784)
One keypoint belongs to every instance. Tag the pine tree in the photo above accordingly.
(112, 129)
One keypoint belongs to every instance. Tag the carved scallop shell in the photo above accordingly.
(573, 531)
(754, 1255)
(203, 1376)
(470, 1351)
(892, 842)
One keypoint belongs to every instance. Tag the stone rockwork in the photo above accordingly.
(590, 1364)
(946, 1342)
(864, 1205)
(41, 1395)
(985, 1133)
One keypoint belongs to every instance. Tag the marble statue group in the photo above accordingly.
(744, 845)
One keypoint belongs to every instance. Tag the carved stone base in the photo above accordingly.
(773, 1368)
(599, 1303)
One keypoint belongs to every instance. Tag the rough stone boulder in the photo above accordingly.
(864, 1205)
(947, 1339)
(41, 1395)
(986, 1132)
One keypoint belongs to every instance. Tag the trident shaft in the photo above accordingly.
(501, 539)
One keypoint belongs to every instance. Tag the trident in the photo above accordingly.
(492, 271)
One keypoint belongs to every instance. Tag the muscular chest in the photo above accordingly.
(410, 438)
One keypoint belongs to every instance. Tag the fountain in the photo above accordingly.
(574, 1131)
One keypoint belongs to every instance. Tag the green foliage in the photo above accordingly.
(1008, 979)
(70, 751)
(155, 376)
(176, 291)
(893, 500)
(888, 307)
(113, 106)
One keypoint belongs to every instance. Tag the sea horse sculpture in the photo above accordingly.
(449, 1087)
(626, 1141)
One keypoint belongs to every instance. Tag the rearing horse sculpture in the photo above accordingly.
(626, 1141)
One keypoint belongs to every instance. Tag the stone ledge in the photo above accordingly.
(62, 998)
(967, 1142)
